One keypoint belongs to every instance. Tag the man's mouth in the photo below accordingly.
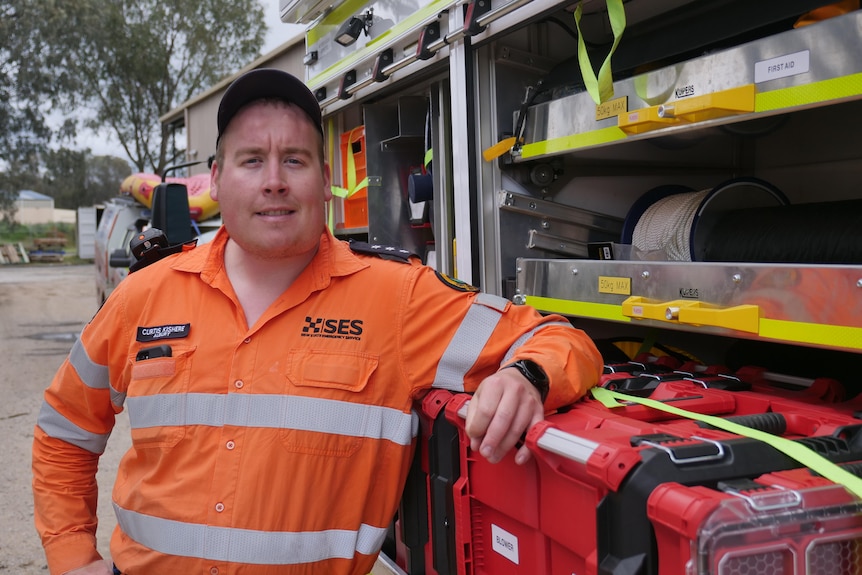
(275, 213)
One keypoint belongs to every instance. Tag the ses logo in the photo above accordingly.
(332, 328)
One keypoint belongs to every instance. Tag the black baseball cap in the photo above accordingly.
(266, 83)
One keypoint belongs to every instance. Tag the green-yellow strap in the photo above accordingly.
(797, 451)
(648, 342)
(429, 157)
(337, 192)
(330, 150)
(601, 89)
(330, 218)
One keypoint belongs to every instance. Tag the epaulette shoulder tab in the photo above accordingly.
(380, 250)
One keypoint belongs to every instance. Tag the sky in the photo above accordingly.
(278, 32)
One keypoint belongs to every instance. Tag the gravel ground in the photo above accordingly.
(42, 309)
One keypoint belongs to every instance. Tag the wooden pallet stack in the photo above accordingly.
(48, 249)
(13, 254)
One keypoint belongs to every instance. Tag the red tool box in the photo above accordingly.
(425, 527)
(778, 524)
(634, 490)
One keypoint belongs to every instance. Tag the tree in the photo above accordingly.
(8, 207)
(65, 177)
(27, 82)
(76, 178)
(104, 176)
(132, 61)
(21, 176)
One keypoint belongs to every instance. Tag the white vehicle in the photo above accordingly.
(121, 218)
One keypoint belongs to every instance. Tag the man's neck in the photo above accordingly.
(257, 281)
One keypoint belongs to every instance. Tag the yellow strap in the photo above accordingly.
(793, 449)
(330, 149)
(351, 162)
(338, 193)
(429, 156)
(601, 89)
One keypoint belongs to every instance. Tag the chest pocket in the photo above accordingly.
(156, 398)
(329, 405)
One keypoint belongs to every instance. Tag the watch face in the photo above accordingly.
(534, 372)
(535, 375)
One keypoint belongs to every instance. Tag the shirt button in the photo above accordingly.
(230, 444)
(247, 340)
(219, 507)
(214, 571)
(238, 384)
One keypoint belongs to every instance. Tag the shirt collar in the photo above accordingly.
(333, 259)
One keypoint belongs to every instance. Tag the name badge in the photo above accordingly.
(154, 333)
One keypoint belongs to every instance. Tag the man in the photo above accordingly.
(269, 376)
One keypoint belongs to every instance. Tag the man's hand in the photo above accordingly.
(504, 406)
(99, 567)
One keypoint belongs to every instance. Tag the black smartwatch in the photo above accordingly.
(534, 374)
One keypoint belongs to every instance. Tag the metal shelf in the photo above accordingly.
(814, 305)
(806, 67)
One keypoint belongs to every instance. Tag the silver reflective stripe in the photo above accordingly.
(276, 411)
(523, 339)
(245, 545)
(493, 301)
(93, 375)
(117, 398)
(58, 426)
(468, 342)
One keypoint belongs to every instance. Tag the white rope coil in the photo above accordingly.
(666, 226)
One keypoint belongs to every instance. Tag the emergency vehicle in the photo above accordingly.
(680, 178)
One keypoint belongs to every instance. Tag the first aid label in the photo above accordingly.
(782, 67)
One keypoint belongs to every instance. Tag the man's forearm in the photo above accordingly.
(65, 496)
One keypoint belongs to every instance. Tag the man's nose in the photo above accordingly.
(276, 180)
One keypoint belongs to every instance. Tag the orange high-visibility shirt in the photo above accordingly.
(279, 448)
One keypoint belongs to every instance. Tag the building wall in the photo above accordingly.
(27, 214)
(43, 214)
(65, 216)
(201, 131)
(34, 211)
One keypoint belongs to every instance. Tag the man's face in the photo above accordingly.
(272, 184)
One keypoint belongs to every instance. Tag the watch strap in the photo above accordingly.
(534, 374)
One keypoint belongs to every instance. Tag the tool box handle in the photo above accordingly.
(770, 500)
(718, 455)
(558, 442)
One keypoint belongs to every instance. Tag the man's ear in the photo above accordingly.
(214, 168)
(327, 182)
